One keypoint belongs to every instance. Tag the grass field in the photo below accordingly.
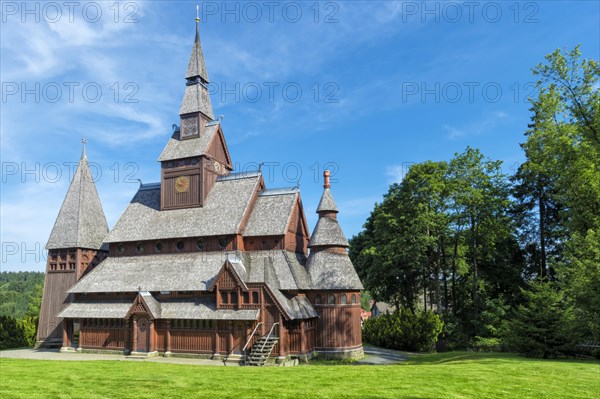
(449, 375)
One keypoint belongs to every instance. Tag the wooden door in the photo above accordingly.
(271, 317)
(142, 334)
(239, 336)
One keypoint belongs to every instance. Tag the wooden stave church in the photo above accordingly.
(204, 263)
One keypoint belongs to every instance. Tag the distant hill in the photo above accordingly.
(17, 290)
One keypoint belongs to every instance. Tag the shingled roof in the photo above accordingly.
(194, 147)
(97, 309)
(271, 213)
(196, 97)
(280, 270)
(222, 213)
(196, 65)
(327, 232)
(81, 222)
(332, 271)
(193, 271)
(327, 204)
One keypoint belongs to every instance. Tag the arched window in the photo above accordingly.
(331, 299)
(318, 299)
(353, 298)
(343, 299)
(255, 297)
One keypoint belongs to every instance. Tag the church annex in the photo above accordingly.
(206, 262)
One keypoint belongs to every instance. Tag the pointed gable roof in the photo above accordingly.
(197, 146)
(81, 222)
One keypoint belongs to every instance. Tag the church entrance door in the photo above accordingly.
(142, 334)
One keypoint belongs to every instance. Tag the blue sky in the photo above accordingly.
(363, 88)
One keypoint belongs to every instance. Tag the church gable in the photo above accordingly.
(217, 150)
(228, 278)
(144, 303)
(297, 234)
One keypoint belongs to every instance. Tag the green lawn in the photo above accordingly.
(449, 375)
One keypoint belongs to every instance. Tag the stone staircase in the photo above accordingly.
(260, 351)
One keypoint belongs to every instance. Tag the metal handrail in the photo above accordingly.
(251, 335)
(268, 336)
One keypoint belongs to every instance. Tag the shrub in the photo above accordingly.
(404, 329)
(482, 344)
(11, 333)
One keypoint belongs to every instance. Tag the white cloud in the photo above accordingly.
(481, 126)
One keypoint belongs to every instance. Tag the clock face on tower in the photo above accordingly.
(182, 184)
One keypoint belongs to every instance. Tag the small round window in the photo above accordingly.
(139, 247)
(180, 245)
(223, 241)
(201, 245)
(121, 248)
(159, 246)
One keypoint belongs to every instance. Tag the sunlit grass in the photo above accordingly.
(447, 375)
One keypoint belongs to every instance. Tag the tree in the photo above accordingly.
(543, 325)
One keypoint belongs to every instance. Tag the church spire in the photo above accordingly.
(328, 232)
(196, 98)
(81, 222)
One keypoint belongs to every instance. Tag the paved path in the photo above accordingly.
(54, 354)
(374, 355)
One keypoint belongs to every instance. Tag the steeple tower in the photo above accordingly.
(74, 247)
(197, 153)
(196, 108)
